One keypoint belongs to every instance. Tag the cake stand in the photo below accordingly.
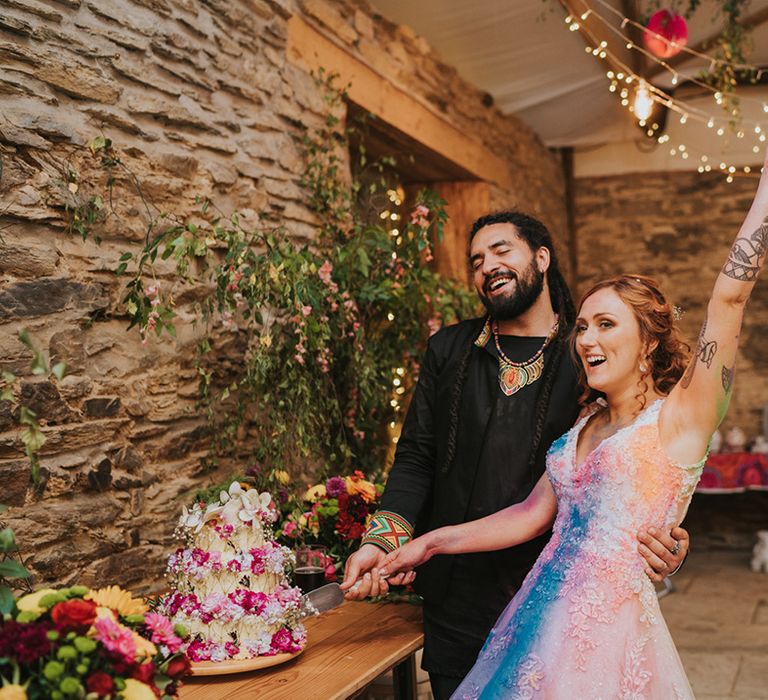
(219, 668)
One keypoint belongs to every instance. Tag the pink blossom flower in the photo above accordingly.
(116, 638)
(162, 632)
(290, 528)
(325, 272)
(420, 212)
(306, 310)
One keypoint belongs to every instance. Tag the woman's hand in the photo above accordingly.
(406, 558)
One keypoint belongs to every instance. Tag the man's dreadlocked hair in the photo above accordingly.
(536, 235)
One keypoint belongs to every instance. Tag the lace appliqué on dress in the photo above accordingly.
(634, 678)
(588, 606)
(528, 678)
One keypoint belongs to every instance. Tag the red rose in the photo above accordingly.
(178, 667)
(74, 615)
(145, 673)
(100, 683)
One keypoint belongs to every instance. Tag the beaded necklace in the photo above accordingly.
(513, 376)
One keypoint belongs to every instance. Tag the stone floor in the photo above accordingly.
(718, 616)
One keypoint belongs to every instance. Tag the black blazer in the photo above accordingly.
(429, 493)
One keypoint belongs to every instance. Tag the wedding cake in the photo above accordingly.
(229, 580)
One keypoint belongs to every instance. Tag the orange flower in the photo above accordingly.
(356, 484)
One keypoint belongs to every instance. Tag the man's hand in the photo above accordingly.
(664, 553)
(365, 562)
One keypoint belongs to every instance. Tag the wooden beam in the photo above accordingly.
(750, 22)
(311, 49)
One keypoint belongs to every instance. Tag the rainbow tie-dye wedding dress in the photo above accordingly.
(586, 623)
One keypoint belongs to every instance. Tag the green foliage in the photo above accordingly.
(329, 333)
(9, 568)
(32, 437)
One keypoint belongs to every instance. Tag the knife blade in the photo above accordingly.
(321, 600)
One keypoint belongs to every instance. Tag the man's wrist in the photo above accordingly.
(388, 531)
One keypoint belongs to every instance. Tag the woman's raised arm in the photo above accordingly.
(700, 400)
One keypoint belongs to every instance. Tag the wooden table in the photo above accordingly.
(347, 649)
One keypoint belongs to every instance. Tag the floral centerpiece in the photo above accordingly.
(335, 514)
(81, 643)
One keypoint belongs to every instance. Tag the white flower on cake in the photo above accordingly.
(194, 518)
(239, 504)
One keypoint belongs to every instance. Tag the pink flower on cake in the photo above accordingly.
(283, 642)
(116, 638)
(162, 632)
(234, 566)
(251, 601)
(257, 561)
(288, 595)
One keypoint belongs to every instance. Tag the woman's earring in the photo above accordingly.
(643, 367)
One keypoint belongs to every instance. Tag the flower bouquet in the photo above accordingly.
(81, 643)
(335, 514)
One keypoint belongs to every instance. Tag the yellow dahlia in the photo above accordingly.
(315, 493)
(144, 648)
(136, 690)
(31, 603)
(13, 692)
(117, 599)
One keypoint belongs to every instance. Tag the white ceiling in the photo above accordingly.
(522, 53)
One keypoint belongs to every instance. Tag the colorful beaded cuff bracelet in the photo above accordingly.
(388, 530)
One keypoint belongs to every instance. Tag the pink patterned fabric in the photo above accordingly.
(586, 622)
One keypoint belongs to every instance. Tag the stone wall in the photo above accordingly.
(199, 99)
(677, 227)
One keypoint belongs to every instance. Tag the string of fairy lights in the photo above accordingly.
(395, 197)
(628, 84)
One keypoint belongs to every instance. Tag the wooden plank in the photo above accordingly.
(348, 648)
(466, 201)
(312, 50)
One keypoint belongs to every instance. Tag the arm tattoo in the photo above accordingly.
(746, 256)
(705, 351)
(728, 374)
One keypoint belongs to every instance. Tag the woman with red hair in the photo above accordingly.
(586, 622)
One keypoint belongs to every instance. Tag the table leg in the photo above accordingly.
(404, 679)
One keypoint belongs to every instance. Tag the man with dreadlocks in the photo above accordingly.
(493, 394)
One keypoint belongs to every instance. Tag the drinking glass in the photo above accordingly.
(310, 567)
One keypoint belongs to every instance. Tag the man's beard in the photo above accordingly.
(528, 288)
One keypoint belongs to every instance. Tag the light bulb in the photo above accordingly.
(643, 106)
